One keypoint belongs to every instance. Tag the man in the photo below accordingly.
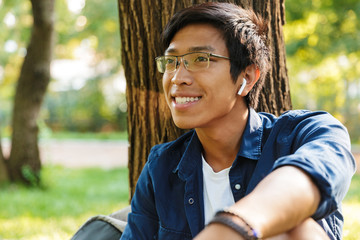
(245, 175)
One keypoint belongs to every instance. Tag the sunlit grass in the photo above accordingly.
(30, 227)
(352, 221)
(351, 210)
(68, 198)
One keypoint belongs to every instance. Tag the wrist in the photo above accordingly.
(237, 223)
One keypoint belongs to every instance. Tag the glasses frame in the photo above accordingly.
(177, 63)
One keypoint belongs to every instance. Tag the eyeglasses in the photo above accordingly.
(193, 61)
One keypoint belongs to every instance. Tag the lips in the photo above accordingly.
(184, 100)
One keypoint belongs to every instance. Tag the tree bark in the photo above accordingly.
(3, 169)
(275, 96)
(149, 120)
(24, 161)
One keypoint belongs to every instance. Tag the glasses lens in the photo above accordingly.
(196, 61)
(166, 64)
(159, 64)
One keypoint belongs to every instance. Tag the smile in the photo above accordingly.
(184, 100)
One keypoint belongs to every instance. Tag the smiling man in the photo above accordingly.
(242, 174)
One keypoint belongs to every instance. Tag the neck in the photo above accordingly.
(221, 143)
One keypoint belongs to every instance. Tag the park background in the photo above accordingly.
(85, 103)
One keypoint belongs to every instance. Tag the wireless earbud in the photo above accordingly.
(242, 87)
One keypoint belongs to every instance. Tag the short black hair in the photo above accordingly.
(244, 33)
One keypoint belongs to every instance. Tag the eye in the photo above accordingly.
(169, 60)
(201, 59)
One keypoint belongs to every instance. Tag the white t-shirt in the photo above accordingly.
(217, 191)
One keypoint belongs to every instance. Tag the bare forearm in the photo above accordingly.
(283, 200)
(277, 206)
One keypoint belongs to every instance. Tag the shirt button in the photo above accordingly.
(237, 186)
(191, 201)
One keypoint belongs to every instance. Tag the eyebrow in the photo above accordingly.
(193, 49)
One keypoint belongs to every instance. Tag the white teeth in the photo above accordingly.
(183, 100)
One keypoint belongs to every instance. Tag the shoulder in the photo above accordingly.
(295, 117)
(298, 124)
(311, 119)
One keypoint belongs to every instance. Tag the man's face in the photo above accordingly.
(204, 98)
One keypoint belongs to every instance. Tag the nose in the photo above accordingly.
(181, 74)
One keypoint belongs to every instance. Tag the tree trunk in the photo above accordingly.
(3, 170)
(149, 120)
(24, 161)
(275, 96)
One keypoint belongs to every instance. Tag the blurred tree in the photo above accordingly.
(86, 31)
(4, 176)
(24, 164)
(149, 120)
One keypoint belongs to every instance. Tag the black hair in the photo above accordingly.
(244, 33)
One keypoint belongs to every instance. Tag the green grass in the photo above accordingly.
(69, 197)
(351, 209)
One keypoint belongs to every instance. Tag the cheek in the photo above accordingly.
(164, 84)
(166, 79)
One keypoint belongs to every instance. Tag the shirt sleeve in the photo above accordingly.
(142, 220)
(322, 148)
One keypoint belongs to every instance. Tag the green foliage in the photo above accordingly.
(323, 57)
(69, 198)
(94, 28)
(96, 22)
(16, 21)
(89, 32)
(83, 110)
(90, 135)
(13, 41)
(33, 178)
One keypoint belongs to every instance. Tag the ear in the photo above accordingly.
(251, 74)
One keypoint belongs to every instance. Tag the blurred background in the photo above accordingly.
(323, 51)
(87, 90)
(86, 100)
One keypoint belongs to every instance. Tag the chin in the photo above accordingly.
(184, 124)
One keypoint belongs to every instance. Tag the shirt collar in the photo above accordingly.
(191, 157)
(252, 137)
(250, 146)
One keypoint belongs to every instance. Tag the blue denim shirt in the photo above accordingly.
(168, 201)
